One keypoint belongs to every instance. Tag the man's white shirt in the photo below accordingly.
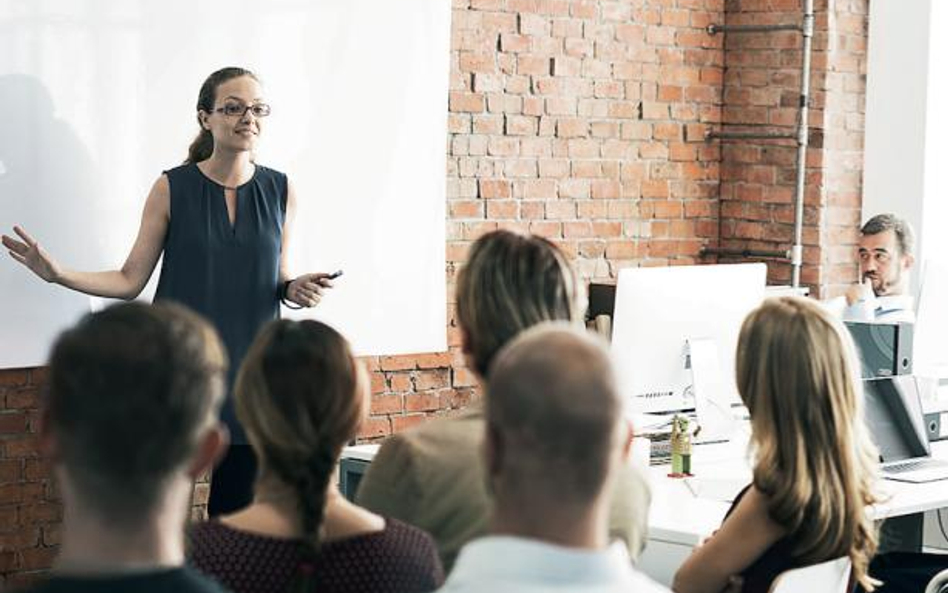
(502, 564)
(886, 309)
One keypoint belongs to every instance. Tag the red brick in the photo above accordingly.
(10, 471)
(14, 377)
(36, 470)
(386, 404)
(22, 447)
(475, 62)
(493, 189)
(583, 9)
(462, 377)
(533, 65)
(487, 4)
(28, 537)
(401, 382)
(12, 422)
(514, 43)
(500, 146)
(400, 423)
(651, 110)
(487, 83)
(573, 230)
(468, 102)
(574, 188)
(40, 513)
(396, 363)
(8, 562)
(563, 66)
(560, 210)
(375, 427)
(421, 402)
(605, 189)
(520, 125)
(572, 127)
(434, 360)
(621, 250)
(520, 168)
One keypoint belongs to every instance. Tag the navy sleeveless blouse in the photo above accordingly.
(228, 273)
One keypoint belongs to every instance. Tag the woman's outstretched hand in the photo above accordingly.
(29, 253)
(307, 290)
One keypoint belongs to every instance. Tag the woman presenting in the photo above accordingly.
(223, 224)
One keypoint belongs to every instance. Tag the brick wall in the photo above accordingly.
(583, 121)
(30, 513)
(761, 93)
(580, 121)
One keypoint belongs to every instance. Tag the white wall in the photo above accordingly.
(906, 126)
(98, 98)
(934, 240)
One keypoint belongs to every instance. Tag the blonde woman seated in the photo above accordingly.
(814, 464)
(301, 396)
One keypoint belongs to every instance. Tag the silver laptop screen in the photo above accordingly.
(894, 416)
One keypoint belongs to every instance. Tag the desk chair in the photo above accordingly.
(831, 576)
(939, 583)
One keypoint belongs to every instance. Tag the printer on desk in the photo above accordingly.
(885, 350)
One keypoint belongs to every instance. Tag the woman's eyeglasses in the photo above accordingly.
(239, 109)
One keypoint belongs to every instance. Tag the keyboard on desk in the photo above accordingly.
(913, 464)
(920, 470)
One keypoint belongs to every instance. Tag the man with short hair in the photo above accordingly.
(431, 476)
(130, 419)
(554, 443)
(886, 254)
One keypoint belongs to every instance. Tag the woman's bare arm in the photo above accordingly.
(742, 539)
(124, 283)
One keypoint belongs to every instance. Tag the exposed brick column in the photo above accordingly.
(761, 90)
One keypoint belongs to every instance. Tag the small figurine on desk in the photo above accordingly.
(681, 447)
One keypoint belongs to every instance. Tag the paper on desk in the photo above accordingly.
(644, 423)
(721, 489)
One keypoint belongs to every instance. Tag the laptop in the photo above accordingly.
(894, 416)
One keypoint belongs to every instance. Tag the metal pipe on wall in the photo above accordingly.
(796, 252)
(802, 136)
(758, 253)
(715, 29)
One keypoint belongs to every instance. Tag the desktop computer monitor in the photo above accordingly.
(662, 313)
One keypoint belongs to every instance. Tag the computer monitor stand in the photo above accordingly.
(712, 404)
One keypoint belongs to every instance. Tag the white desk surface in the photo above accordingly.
(679, 520)
(678, 516)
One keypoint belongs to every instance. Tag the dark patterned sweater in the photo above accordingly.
(398, 559)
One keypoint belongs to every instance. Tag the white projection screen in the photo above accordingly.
(98, 97)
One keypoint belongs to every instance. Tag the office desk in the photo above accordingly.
(679, 520)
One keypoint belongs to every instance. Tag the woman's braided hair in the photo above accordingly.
(300, 394)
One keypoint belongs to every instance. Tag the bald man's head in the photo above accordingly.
(554, 415)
